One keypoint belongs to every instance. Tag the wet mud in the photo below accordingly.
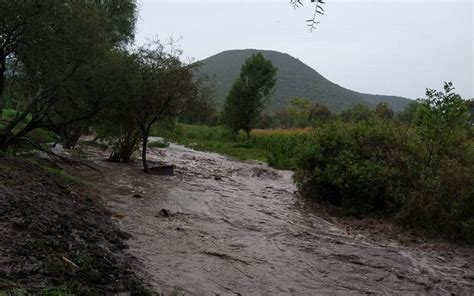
(221, 227)
(57, 239)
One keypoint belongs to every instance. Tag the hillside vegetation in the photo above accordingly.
(294, 79)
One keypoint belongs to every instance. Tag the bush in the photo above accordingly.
(443, 203)
(421, 174)
(360, 166)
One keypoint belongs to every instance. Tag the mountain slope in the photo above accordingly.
(294, 79)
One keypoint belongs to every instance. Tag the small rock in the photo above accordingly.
(217, 178)
(164, 213)
(137, 195)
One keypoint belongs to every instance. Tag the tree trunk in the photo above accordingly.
(144, 149)
(71, 135)
(3, 68)
(5, 136)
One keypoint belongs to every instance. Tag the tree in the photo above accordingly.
(249, 93)
(50, 41)
(470, 107)
(319, 113)
(383, 110)
(410, 113)
(357, 113)
(116, 123)
(202, 110)
(298, 109)
(164, 87)
(443, 124)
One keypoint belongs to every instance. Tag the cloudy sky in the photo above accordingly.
(380, 46)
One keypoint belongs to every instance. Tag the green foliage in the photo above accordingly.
(248, 94)
(409, 115)
(177, 292)
(57, 291)
(43, 136)
(202, 132)
(214, 139)
(443, 124)
(8, 113)
(301, 113)
(284, 149)
(117, 125)
(49, 50)
(357, 113)
(160, 144)
(355, 165)
(470, 108)
(294, 79)
(383, 111)
(63, 175)
(298, 111)
(319, 113)
(420, 174)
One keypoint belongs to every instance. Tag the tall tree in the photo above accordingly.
(249, 93)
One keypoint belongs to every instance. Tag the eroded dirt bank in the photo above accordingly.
(234, 228)
(56, 239)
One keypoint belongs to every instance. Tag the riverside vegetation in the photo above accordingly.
(415, 166)
(71, 68)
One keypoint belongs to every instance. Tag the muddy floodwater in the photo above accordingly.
(222, 227)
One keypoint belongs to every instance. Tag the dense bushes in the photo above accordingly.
(360, 166)
(420, 174)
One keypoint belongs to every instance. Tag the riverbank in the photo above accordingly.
(57, 238)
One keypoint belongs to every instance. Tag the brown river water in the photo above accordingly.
(235, 228)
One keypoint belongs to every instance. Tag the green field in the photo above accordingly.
(279, 148)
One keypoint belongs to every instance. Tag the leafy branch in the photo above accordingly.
(311, 23)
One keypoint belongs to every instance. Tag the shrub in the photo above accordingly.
(420, 174)
(360, 166)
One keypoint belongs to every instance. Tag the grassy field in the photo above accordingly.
(277, 147)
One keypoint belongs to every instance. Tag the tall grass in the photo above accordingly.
(284, 146)
(279, 147)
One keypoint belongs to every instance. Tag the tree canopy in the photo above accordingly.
(249, 93)
(47, 44)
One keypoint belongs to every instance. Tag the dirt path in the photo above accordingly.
(232, 228)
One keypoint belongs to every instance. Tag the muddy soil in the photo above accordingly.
(55, 237)
(220, 227)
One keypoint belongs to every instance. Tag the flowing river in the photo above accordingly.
(222, 227)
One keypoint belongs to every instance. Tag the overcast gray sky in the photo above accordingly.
(381, 47)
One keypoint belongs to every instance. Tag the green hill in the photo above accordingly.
(294, 79)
